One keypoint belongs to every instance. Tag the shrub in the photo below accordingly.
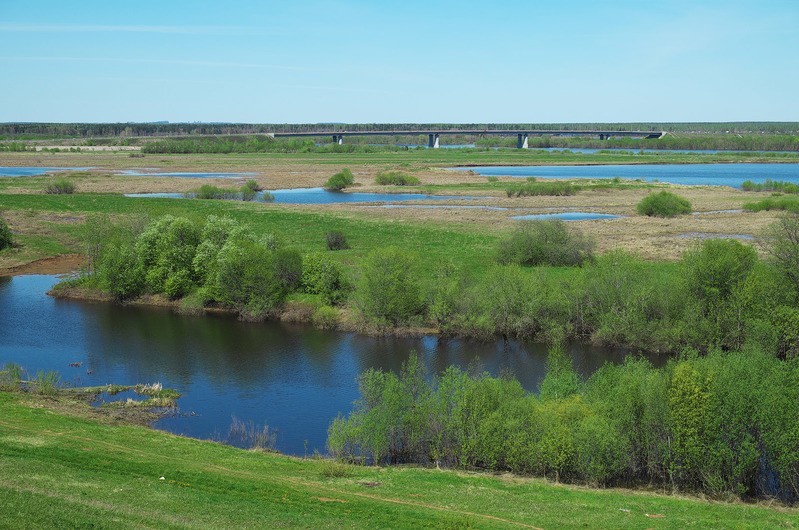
(325, 317)
(248, 194)
(208, 191)
(533, 188)
(389, 290)
(336, 240)
(121, 272)
(324, 276)
(267, 197)
(340, 180)
(287, 263)
(253, 185)
(396, 178)
(6, 238)
(247, 280)
(60, 186)
(545, 242)
(663, 204)
(784, 247)
(178, 284)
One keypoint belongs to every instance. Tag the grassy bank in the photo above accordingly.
(61, 469)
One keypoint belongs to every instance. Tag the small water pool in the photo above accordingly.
(323, 196)
(138, 173)
(7, 171)
(567, 216)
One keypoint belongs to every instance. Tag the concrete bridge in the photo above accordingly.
(433, 136)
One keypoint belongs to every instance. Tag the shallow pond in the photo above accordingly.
(691, 174)
(323, 196)
(33, 171)
(294, 378)
(567, 216)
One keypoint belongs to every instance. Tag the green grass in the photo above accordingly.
(433, 242)
(61, 470)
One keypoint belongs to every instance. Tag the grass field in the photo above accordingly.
(62, 469)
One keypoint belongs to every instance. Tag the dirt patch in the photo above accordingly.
(62, 264)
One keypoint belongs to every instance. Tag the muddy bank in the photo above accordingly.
(62, 264)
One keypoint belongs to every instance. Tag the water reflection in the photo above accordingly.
(294, 378)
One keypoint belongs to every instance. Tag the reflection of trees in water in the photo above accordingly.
(152, 343)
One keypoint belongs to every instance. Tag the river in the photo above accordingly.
(294, 378)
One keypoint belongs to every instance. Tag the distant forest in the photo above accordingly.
(32, 131)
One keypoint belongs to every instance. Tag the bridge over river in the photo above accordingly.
(433, 136)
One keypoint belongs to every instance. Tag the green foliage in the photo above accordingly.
(267, 197)
(60, 186)
(545, 242)
(120, 271)
(533, 188)
(6, 238)
(784, 247)
(340, 180)
(787, 203)
(10, 377)
(287, 263)
(723, 424)
(324, 276)
(253, 185)
(336, 240)
(663, 204)
(247, 279)
(389, 291)
(396, 178)
(209, 191)
(561, 379)
(770, 185)
(325, 317)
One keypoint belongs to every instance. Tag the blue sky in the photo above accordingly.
(410, 61)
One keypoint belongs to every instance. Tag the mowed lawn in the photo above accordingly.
(60, 469)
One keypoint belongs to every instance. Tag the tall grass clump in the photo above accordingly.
(663, 204)
(6, 238)
(770, 185)
(545, 242)
(789, 203)
(396, 178)
(60, 186)
(10, 377)
(533, 188)
(340, 180)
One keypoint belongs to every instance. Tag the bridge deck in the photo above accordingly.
(508, 132)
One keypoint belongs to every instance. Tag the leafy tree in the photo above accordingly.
(389, 290)
(545, 242)
(6, 238)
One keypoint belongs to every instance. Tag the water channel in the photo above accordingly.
(294, 378)
(689, 174)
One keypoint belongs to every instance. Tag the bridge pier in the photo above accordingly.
(521, 141)
(432, 141)
(604, 136)
(338, 139)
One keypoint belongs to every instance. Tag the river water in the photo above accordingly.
(689, 174)
(294, 378)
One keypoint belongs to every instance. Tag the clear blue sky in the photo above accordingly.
(411, 61)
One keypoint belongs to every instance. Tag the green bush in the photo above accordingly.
(336, 240)
(324, 276)
(389, 291)
(545, 242)
(784, 248)
(533, 188)
(287, 263)
(60, 186)
(267, 197)
(6, 238)
(396, 178)
(120, 272)
(340, 180)
(247, 280)
(663, 204)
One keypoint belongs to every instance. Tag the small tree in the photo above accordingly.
(389, 291)
(340, 180)
(547, 242)
(663, 204)
(785, 247)
(6, 239)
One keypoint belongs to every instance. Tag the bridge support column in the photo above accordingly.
(521, 141)
(432, 141)
(338, 139)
